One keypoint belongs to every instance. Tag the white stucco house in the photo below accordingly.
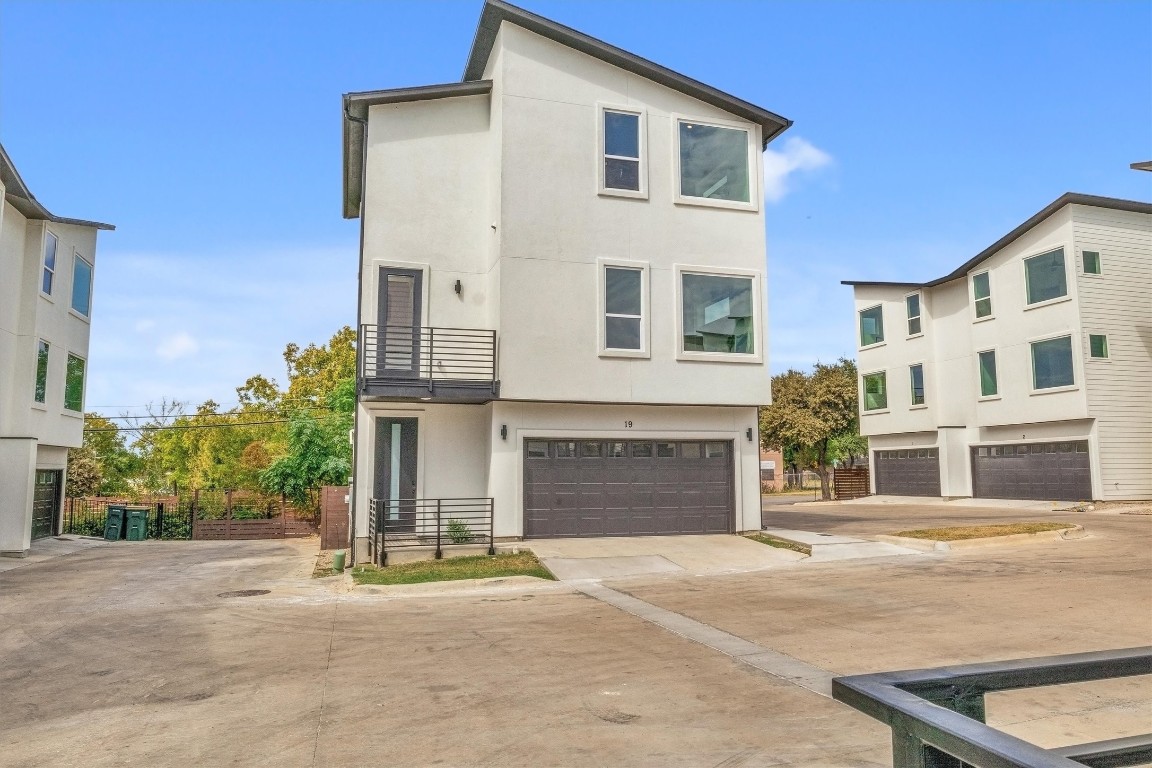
(1025, 373)
(562, 292)
(47, 268)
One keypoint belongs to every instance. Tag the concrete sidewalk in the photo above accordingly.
(49, 549)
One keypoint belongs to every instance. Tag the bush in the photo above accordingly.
(459, 532)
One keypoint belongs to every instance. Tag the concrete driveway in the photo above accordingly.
(134, 653)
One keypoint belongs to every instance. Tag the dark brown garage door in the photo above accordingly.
(627, 487)
(1043, 471)
(45, 503)
(911, 472)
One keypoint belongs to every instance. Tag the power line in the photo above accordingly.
(159, 428)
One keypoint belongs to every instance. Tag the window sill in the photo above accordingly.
(719, 357)
(984, 319)
(39, 407)
(1093, 275)
(47, 297)
(641, 194)
(1099, 359)
(1048, 302)
(877, 345)
(706, 202)
(915, 335)
(987, 398)
(921, 407)
(1054, 390)
(80, 317)
(72, 414)
(633, 354)
(876, 412)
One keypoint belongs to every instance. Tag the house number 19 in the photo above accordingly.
(627, 425)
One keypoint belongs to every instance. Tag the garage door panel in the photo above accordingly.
(908, 472)
(1058, 471)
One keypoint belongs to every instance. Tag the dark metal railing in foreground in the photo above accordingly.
(414, 354)
(430, 523)
(937, 715)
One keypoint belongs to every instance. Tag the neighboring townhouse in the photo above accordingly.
(47, 268)
(562, 292)
(1026, 373)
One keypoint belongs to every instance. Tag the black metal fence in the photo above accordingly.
(937, 715)
(429, 523)
(167, 518)
(460, 356)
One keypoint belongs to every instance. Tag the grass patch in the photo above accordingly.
(452, 569)
(961, 532)
(772, 541)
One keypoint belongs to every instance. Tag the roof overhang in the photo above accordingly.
(1145, 166)
(496, 12)
(356, 107)
(1070, 198)
(16, 192)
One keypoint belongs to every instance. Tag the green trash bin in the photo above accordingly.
(114, 523)
(136, 523)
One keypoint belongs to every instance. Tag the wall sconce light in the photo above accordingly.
(503, 431)
(458, 287)
(749, 434)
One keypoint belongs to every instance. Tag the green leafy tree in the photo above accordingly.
(119, 465)
(84, 473)
(315, 371)
(316, 456)
(808, 413)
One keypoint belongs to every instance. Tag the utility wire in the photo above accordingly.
(157, 428)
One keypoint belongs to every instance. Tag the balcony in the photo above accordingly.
(448, 365)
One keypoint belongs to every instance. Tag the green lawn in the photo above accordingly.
(772, 541)
(959, 533)
(452, 569)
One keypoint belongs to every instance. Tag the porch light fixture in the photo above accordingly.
(749, 434)
(503, 431)
(458, 287)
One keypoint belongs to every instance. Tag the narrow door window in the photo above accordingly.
(916, 375)
(988, 384)
(41, 390)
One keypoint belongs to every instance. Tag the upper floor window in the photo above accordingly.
(1045, 278)
(714, 163)
(624, 330)
(622, 168)
(982, 295)
(718, 314)
(1052, 363)
(41, 391)
(1091, 262)
(871, 326)
(49, 274)
(987, 364)
(74, 384)
(916, 376)
(875, 391)
(912, 302)
(1098, 346)
(81, 286)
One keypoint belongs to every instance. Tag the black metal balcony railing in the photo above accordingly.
(429, 523)
(398, 359)
(937, 715)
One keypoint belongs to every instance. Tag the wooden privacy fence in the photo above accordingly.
(334, 517)
(248, 517)
(851, 482)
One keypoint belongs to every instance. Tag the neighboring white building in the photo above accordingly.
(595, 221)
(47, 266)
(1027, 372)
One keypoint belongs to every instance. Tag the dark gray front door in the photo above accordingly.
(911, 472)
(602, 487)
(45, 503)
(395, 476)
(1057, 471)
(398, 322)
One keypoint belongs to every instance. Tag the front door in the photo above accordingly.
(45, 503)
(395, 483)
(398, 323)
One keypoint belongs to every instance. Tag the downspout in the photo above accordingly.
(356, 482)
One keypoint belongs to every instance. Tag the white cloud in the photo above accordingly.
(180, 345)
(795, 155)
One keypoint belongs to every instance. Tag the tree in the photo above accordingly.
(83, 472)
(106, 444)
(315, 371)
(318, 454)
(808, 413)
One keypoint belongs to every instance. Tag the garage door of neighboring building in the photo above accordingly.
(627, 487)
(911, 472)
(45, 503)
(1058, 471)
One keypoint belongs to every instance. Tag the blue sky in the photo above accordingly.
(209, 133)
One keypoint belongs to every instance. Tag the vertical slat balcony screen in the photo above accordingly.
(411, 354)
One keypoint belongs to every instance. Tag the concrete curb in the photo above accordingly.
(931, 545)
(461, 586)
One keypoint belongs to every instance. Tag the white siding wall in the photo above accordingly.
(1118, 303)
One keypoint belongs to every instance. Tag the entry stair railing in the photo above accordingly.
(431, 524)
(937, 715)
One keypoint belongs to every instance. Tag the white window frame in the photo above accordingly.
(1107, 348)
(44, 265)
(920, 317)
(601, 156)
(980, 396)
(1100, 257)
(1024, 275)
(755, 164)
(860, 330)
(642, 267)
(91, 284)
(912, 390)
(679, 270)
(83, 386)
(1077, 374)
(887, 393)
(972, 296)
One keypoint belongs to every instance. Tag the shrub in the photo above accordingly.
(459, 532)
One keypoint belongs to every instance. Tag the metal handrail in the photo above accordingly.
(401, 353)
(937, 715)
(439, 523)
